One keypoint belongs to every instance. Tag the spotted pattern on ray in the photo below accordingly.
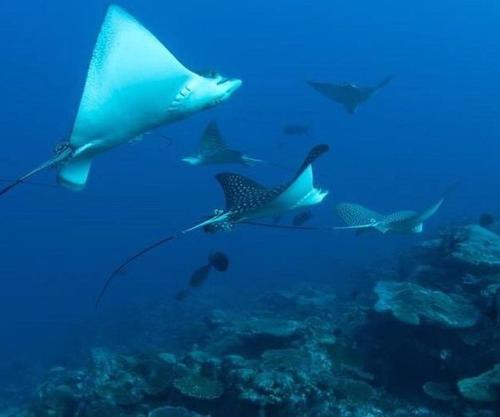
(400, 217)
(357, 215)
(244, 194)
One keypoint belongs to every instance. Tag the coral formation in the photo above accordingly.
(412, 303)
(483, 388)
(306, 352)
(197, 386)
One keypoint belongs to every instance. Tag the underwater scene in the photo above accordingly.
(250, 209)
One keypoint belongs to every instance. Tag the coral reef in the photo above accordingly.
(199, 387)
(412, 303)
(483, 388)
(474, 249)
(425, 342)
(173, 412)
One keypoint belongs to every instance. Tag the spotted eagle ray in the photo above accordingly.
(247, 200)
(349, 95)
(360, 218)
(134, 84)
(212, 150)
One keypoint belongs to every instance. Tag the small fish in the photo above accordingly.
(200, 276)
(295, 130)
(302, 217)
(219, 261)
(486, 219)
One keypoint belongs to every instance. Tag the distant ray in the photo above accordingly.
(212, 150)
(349, 95)
(358, 217)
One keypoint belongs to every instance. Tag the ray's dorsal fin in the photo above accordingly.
(211, 140)
(240, 191)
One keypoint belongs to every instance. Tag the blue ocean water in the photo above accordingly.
(435, 124)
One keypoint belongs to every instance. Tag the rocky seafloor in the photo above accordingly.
(424, 340)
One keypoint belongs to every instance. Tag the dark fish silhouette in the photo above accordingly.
(219, 261)
(302, 218)
(200, 276)
(486, 219)
(349, 95)
(212, 150)
(247, 200)
(295, 130)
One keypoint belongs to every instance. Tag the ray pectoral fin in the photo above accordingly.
(426, 214)
(357, 216)
(384, 82)
(74, 174)
(131, 80)
(211, 139)
(240, 190)
(332, 91)
(313, 154)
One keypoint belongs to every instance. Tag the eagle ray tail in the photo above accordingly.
(48, 164)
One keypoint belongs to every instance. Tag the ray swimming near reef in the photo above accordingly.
(134, 85)
(246, 201)
(359, 218)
